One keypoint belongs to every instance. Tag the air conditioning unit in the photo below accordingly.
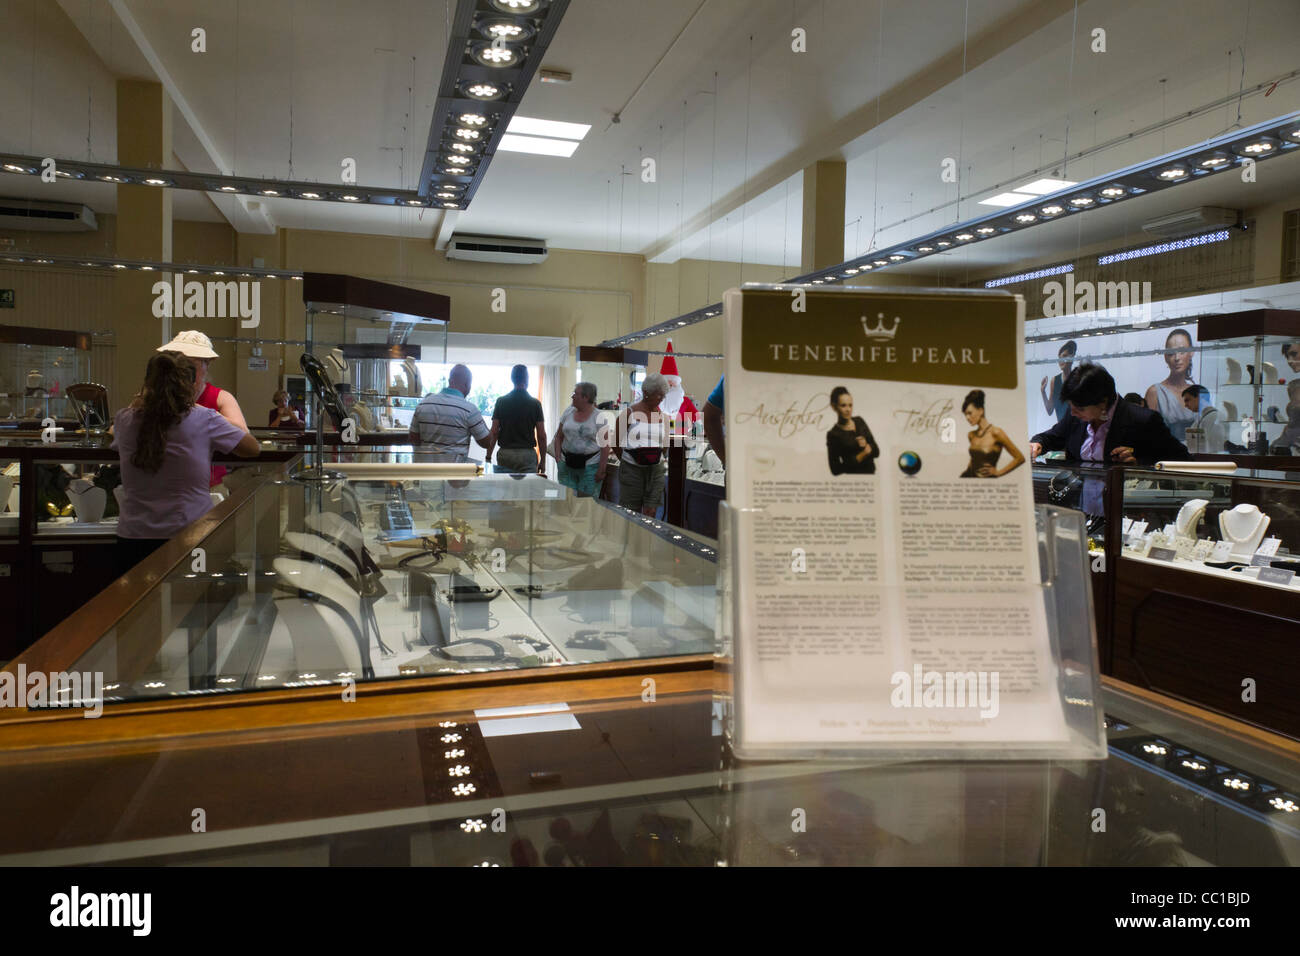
(35, 216)
(1187, 221)
(501, 249)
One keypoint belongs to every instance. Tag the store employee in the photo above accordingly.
(1101, 428)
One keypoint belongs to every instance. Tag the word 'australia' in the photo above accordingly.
(888, 354)
(208, 300)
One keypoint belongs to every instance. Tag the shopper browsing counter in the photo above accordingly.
(578, 446)
(641, 434)
(197, 347)
(165, 441)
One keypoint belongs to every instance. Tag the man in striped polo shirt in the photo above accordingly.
(445, 421)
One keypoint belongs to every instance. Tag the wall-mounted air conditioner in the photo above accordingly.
(502, 249)
(1187, 221)
(34, 216)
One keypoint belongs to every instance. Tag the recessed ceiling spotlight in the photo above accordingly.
(896, 257)
(310, 195)
(1172, 174)
(453, 171)
(470, 134)
(866, 267)
(517, 6)
(414, 202)
(69, 174)
(482, 91)
(44, 262)
(154, 181)
(459, 160)
(1082, 202)
(511, 30)
(1114, 192)
(943, 243)
(118, 265)
(1052, 210)
(1024, 218)
(473, 119)
(15, 168)
(230, 189)
(348, 197)
(92, 265)
(496, 56)
(146, 268)
(925, 248)
(446, 195)
(113, 179)
(462, 147)
(270, 192)
(1215, 160)
(986, 230)
(964, 236)
(1259, 147)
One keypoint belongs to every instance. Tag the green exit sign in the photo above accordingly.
(6, 298)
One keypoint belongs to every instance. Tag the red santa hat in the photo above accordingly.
(669, 366)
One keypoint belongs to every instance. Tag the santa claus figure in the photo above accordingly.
(676, 406)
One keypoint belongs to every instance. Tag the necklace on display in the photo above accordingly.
(1244, 526)
(988, 426)
(1189, 516)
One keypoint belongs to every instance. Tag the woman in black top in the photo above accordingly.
(849, 445)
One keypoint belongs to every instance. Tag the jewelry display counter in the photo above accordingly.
(59, 505)
(1206, 598)
(388, 577)
(592, 773)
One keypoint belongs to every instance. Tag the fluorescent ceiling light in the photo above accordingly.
(537, 144)
(1041, 187)
(541, 127)
(1008, 199)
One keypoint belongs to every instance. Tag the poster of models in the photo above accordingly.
(888, 577)
(1153, 367)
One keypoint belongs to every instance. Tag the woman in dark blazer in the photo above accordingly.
(850, 447)
(1132, 435)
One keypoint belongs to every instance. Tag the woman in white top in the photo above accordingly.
(641, 435)
(579, 444)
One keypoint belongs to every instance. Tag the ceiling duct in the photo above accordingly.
(32, 216)
(1187, 221)
(499, 249)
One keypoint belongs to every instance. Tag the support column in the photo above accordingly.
(823, 214)
(144, 229)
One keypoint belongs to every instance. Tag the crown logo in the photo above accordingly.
(880, 332)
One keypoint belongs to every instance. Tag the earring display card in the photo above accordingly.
(884, 548)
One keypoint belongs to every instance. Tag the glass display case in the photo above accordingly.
(1256, 376)
(371, 338)
(409, 572)
(36, 367)
(1206, 595)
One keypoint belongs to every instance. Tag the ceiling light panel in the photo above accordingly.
(529, 126)
(1044, 187)
(541, 145)
(494, 49)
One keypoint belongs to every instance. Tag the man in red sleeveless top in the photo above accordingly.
(199, 347)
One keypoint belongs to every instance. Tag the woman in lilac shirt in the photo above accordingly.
(165, 443)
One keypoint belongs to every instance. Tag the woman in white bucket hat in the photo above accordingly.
(198, 347)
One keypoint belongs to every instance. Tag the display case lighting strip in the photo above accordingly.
(493, 50)
(1030, 276)
(1209, 158)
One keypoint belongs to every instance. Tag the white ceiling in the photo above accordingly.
(717, 97)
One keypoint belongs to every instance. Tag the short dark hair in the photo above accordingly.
(1088, 384)
(836, 392)
(1287, 347)
(1133, 398)
(519, 375)
(974, 397)
(1200, 391)
(1069, 346)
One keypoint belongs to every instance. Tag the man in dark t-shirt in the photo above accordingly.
(517, 429)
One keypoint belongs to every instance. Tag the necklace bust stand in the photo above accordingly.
(1244, 526)
(1234, 372)
(1189, 516)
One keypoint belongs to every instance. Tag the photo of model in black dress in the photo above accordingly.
(987, 442)
(850, 447)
